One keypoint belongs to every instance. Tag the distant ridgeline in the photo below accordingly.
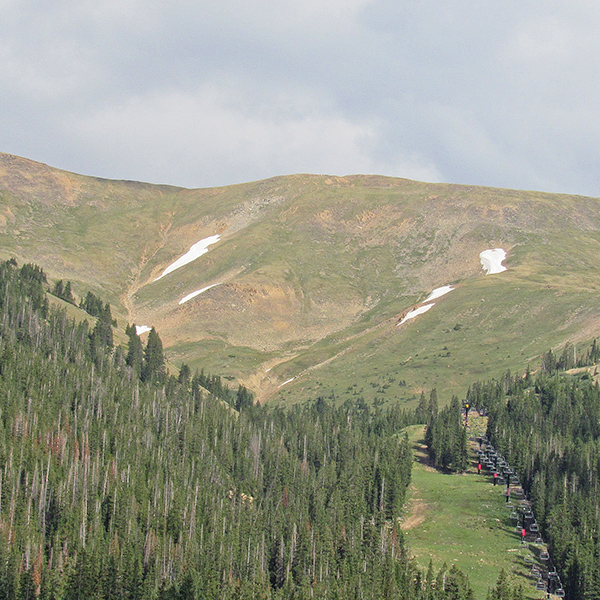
(118, 480)
(548, 427)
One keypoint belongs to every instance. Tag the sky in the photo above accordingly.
(199, 94)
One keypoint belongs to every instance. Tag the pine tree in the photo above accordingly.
(422, 412)
(184, 375)
(243, 398)
(57, 290)
(135, 351)
(153, 368)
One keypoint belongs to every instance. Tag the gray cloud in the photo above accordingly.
(198, 93)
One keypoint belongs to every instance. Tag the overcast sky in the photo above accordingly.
(198, 93)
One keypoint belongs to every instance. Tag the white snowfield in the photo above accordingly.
(438, 292)
(491, 261)
(286, 382)
(411, 314)
(139, 329)
(197, 293)
(197, 250)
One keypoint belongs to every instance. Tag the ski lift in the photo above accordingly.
(552, 575)
(544, 556)
(534, 528)
(540, 585)
(538, 541)
(529, 559)
(514, 514)
(559, 593)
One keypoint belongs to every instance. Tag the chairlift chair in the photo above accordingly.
(534, 528)
(529, 559)
(538, 541)
(544, 556)
(559, 593)
(540, 585)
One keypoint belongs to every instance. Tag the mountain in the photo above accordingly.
(302, 281)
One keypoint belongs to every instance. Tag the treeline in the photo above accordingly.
(548, 427)
(120, 481)
(569, 358)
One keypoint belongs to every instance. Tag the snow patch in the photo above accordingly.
(491, 261)
(197, 293)
(438, 292)
(197, 250)
(139, 329)
(411, 314)
(288, 381)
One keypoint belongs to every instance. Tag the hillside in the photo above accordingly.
(301, 290)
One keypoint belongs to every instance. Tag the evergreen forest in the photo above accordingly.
(119, 479)
(548, 427)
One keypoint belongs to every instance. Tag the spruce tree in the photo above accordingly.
(135, 351)
(153, 368)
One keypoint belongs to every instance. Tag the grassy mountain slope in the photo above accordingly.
(314, 273)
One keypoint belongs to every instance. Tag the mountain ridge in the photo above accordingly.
(312, 273)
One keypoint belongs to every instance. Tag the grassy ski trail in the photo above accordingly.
(462, 519)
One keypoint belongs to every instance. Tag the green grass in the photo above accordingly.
(478, 331)
(462, 519)
(316, 271)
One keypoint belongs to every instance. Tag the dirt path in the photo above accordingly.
(416, 512)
